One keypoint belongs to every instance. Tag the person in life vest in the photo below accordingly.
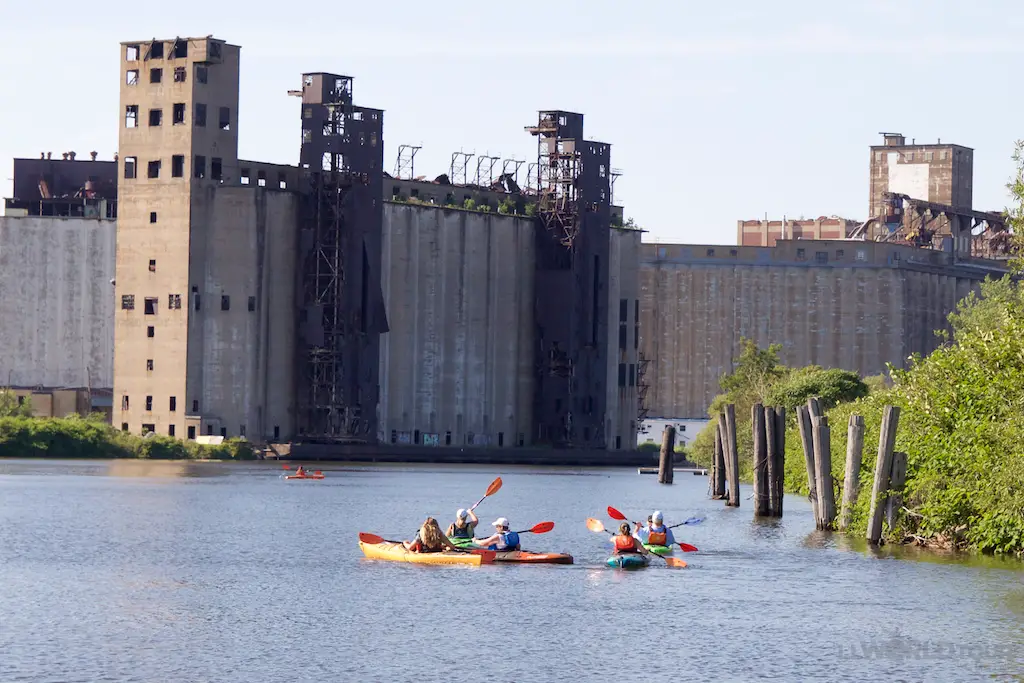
(464, 525)
(625, 542)
(656, 533)
(429, 539)
(502, 540)
(299, 472)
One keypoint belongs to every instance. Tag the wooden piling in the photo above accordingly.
(883, 468)
(780, 457)
(897, 478)
(732, 457)
(851, 478)
(775, 460)
(668, 451)
(718, 471)
(761, 495)
(803, 418)
(821, 438)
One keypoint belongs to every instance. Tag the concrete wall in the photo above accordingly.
(654, 428)
(623, 338)
(459, 355)
(857, 311)
(57, 303)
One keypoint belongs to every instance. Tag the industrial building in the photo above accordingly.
(329, 302)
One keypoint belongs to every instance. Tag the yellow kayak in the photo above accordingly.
(396, 552)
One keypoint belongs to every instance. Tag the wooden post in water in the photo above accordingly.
(723, 425)
(780, 450)
(774, 462)
(668, 451)
(761, 496)
(733, 457)
(823, 472)
(883, 468)
(718, 471)
(851, 479)
(803, 418)
(897, 478)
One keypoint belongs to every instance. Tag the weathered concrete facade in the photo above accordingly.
(457, 363)
(623, 339)
(57, 302)
(940, 173)
(844, 304)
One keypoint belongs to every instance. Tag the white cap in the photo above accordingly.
(461, 514)
(500, 521)
(656, 517)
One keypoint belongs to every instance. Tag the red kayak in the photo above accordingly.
(526, 557)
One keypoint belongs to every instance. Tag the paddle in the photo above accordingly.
(374, 539)
(491, 490)
(597, 527)
(615, 514)
(286, 466)
(541, 528)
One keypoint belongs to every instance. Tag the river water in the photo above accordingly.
(148, 571)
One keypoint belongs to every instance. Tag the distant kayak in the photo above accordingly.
(629, 561)
(396, 552)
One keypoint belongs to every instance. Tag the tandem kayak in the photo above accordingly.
(303, 476)
(396, 552)
(629, 561)
(659, 549)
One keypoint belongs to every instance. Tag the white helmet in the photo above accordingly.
(501, 522)
(656, 517)
(461, 514)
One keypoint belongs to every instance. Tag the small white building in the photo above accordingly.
(687, 429)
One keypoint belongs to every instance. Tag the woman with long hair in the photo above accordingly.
(430, 539)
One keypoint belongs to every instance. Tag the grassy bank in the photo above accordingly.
(76, 437)
(961, 426)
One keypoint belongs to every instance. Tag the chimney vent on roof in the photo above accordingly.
(64, 156)
(42, 155)
(49, 154)
(94, 155)
(71, 155)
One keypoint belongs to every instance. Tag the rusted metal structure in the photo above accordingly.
(341, 307)
(571, 281)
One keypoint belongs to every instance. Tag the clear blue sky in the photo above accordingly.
(715, 112)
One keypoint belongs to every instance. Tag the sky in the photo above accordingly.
(716, 112)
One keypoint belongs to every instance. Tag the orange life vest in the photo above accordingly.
(625, 544)
(657, 537)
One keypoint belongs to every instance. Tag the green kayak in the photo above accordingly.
(659, 549)
(461, 542)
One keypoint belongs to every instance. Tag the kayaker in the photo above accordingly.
(625, 542)
(503, 540)
(656, 533)
(464, 525)
(300, 472)
(430, 539)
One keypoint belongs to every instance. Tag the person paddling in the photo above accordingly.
(464, 526)
(429, 539)
(655, 532)
(626, 543)
(502, 540)
(299, 472)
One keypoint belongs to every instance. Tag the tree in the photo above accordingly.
(832, 387)
(756, 371)
(10, 406)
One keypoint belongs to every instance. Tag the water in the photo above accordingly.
(135, 571)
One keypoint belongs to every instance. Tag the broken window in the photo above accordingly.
(225, 118)
(179, 74)
(124, 402)
(156, 116)
(244, 177)
(129, 167)
(821, 256)
(622, 374)
(149, 403)
(149, 365)
(156, 75)
(174, 403)
(124, 426)
(156, 50)
(152, 216)
(202, 75)
(151, 302)
(131, 53)
(225, 302)
(178, 166)
(601, 170)
(307, 136)
(180, 49)
(154, 169)
(195, 299)
(261, 178)
(127, 302)
(281, 182)
(800, 255)
(179, 112)
(200, 118)
(152, 266)
(131, 116)
(191, 431)
(252, 304)
(170, 430)
(150, 331)
(131, 77)
(711, 252)
(195, 405)
(174, 301)
(213, 48)
(241, 430)
(216, 169)
(200, 166)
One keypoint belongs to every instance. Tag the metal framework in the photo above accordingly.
(490, 161)
(341, 312)
(460, 168)
(642, 387)
(515, 165)
(406, 161)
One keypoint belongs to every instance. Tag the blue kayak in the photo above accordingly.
(629, 561)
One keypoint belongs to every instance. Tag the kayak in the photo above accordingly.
(396, 552)
(629, 561)
(303, 476)
(527, 557)
(659, 549)
(462, 542)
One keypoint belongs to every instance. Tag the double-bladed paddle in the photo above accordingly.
(491, 490)
(686, 547)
